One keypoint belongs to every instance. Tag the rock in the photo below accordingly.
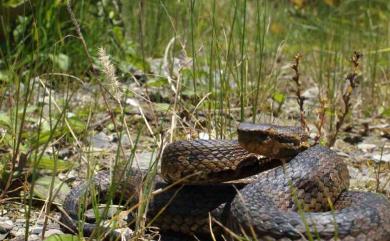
(6, 226)
(133, 102)
(144, 159)
(3, 236)
(366, 147)
(204, 136)
(36, 229)
(125, 141)
(101, 141)
(65, 153)
(311, 93)
(20, 222)
(20, 237)
(344, 146)
(19, 232)
(34, 237)
(385, 132)
(381, 157)
(69, 176)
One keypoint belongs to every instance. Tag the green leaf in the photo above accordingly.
(76, 124)
(160, 82)
(5, 120)
(4, 76)
(7, 141)
(386, 113)
(188, 92)
(42, 188)
(62, 237)
(279, 97)
(161, 107)
(49, 163)
(118, 34)
(38, 139)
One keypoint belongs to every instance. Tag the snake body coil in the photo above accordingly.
(304, 199)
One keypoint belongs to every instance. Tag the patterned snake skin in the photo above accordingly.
(286, 201)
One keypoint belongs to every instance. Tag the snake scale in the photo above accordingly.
(297, 193)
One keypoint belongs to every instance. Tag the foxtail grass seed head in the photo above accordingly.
(109, 71)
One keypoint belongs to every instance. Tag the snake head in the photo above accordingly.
(272, 140)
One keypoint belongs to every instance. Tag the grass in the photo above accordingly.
(222, 61)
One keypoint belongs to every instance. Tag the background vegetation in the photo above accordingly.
(201, 64)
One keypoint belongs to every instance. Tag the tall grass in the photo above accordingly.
(236, 61)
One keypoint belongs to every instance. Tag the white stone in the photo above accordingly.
(383, 158)
(366, 147)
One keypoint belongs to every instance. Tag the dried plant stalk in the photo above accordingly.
(298, 91)
(321, 118)
(351, 84)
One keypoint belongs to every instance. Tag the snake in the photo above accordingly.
(270, 184)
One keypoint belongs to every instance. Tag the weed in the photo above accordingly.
(350, 85)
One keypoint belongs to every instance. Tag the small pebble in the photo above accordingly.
(37, 230)
(6, 226)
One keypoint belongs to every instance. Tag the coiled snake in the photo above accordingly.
(300, 194)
